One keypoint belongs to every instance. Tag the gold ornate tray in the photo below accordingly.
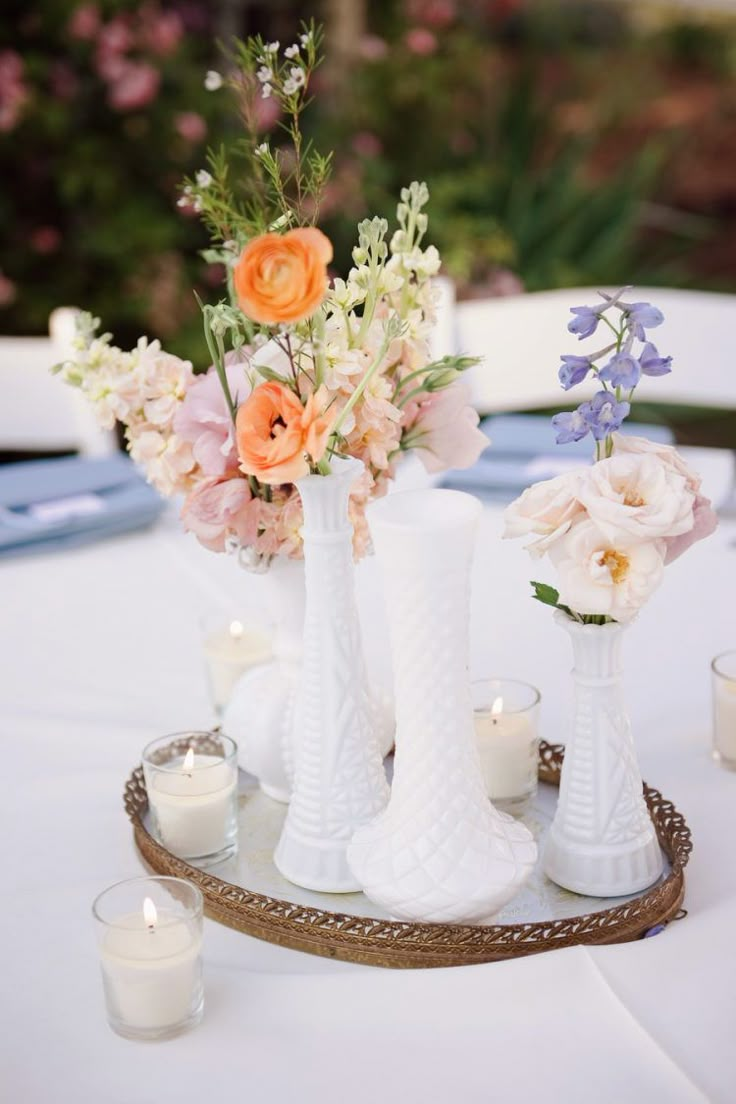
(541, 918)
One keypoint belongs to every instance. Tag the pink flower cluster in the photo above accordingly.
(611, 529)
(14, 92)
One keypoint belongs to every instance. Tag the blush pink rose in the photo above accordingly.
(218, 508)
(444, 430)
(204, 419)
(705, 522)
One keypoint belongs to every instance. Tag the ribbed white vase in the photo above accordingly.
(440, 851)
(602, 842)
(339, 780)
(261, 714)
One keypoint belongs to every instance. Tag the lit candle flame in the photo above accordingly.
(189, 759)
(150, 916)
(236, 630)
(497, 707)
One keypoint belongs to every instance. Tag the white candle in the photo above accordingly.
(151, 969)
(230, 651)
(507, 746)
(725, 720)
(193, 801)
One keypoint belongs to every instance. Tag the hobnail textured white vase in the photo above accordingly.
(602, 842)
(440, 851)
(261, 714)
(339, 780)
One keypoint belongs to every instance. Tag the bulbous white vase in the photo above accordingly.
(339, 780)
(602, 842)
(440, 851)
(261, 714)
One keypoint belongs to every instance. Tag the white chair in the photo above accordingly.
(39, 412)
(521, 338)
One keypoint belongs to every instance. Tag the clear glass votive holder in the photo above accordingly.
(192, 785)
(231, 646)
(723, 670)
(150, 942)
(506, 716)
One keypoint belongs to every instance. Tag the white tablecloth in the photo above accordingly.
(101, 652)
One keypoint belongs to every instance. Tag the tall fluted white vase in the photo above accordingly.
(261, 714)
(602, 842)
(440, 851)
(339, 780)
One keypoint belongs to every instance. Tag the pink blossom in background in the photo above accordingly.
(13, 90)
(444, 429)
(435, 13)
(191, 126)
(163, 32)
(705, 522)
(116, 37)
(84, 22)
(219, 507)
(267, 113)
(135, 88)
(372, 48)
(421, 41)
(45, 240)
(8, 291)
(64, 81)
(367, 144)
(204, 419)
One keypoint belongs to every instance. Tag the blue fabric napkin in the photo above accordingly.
(523, 451)
(54, 504)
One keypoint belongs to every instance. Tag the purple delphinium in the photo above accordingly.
(641, 317)
(652, 364)
(570, 426)
(573, 370)
(622, 370)
(585, 321)
(603, 414)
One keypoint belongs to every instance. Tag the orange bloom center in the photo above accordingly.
(617, 563)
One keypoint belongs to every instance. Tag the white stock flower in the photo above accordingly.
(213, 80)
(546, 510)
(601, 576)
(638, 495)
(166, 459)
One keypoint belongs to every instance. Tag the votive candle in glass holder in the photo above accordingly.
(724, 709)
(506, 714)
(231, 647)
(150, 942)
(192, 785)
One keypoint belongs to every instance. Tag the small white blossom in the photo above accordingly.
(213, 80)
(183, 201)
(305, 39)
(203, 178)
(265, 74)
(290, 87)
(292, 51)
(261, 150)
(272, 48)
(297, 75)
(266, 91)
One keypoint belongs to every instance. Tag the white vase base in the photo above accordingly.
(315, 864)
(603, 871)
(276, 794)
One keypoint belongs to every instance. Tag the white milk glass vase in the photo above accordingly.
(602, 842)
(440, 851)
(339, 780)
(261, 715)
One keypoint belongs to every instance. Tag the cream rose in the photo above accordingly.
(546, 509)
(637, 496)
(641, 446)
(601, 576)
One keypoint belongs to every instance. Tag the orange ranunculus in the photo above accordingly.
(275, 433)
(283, 277)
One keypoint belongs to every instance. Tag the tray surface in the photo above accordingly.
(248, 892)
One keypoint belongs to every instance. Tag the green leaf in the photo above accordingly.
(546, 594)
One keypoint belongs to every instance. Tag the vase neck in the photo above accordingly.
(596, 650)
(325, 501)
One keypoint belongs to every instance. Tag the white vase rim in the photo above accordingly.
(434, 508)
(340, 466)
(570, 623)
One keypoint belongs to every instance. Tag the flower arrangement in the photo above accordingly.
(303, 368)
(610, 529)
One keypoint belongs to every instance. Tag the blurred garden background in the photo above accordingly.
(564, 143)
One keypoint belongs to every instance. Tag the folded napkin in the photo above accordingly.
(54, 504)
(523, 451)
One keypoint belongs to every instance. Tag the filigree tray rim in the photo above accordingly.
(402, 945)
